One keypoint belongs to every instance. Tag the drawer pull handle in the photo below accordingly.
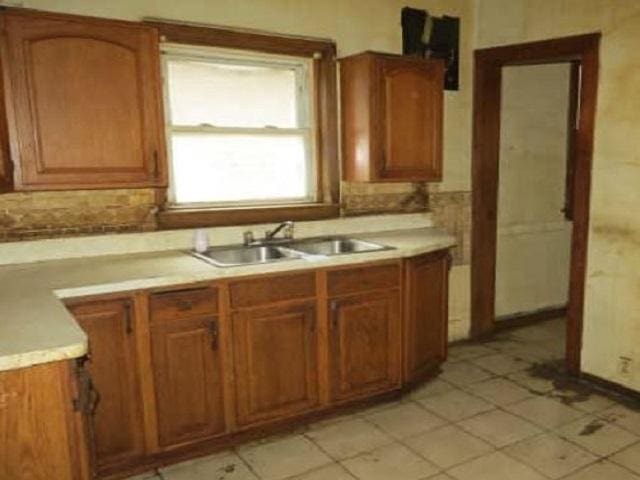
(184, 305)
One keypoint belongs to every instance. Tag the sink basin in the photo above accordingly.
(336, 246)
(236, 256)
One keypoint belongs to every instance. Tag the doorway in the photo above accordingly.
(581, 54)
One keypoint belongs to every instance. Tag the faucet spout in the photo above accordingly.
(286, 226)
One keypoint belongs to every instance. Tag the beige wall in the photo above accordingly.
(612, 310)
(533, 258)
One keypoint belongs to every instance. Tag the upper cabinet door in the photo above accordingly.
(392, 109)
(83, 101)
(411, 119)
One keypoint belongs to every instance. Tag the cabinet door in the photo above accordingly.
(275, 350)
(84, 102)
(365, 344)
(411, 119)
(117, 416)
(188, 379)
(426, 314)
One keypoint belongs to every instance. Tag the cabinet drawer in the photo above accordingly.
(272, 289)
(362, 279)
(183, 303)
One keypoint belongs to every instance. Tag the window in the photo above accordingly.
(240, 127)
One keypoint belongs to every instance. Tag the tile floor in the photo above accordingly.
(501, 410)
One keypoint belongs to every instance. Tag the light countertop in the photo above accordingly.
(35, 327)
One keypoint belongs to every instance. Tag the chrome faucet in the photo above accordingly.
(269, 236)
(286, 226)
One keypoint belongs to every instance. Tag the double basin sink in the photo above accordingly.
(290, 250)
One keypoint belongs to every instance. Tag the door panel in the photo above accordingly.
(188, 379)
(117, 416)
(275, 350)
(365, 344)
(412, 95)
(426, 314)
(84, 105)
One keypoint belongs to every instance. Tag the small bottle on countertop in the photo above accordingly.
(200, 240)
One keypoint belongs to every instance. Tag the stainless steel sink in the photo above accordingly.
(336, 246)
(237, 256)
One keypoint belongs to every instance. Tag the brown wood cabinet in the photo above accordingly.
(276, 367)
(392, 114)
(83, 100)
(220, 363)
(426, 314)
(40, 433)
(365, 344)
(116, 413)
(187, 365)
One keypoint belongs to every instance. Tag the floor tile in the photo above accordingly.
(393, 461)
(334, 471)
(597, 435)
(448, 446)
(145, 476)
(494, 466)
(330, 420)
(538, 333)
(284, 458)
(551, 455)
(499, 391)
(348, 439)
(582, 399)
(405, 420)
(468, 351)
(623, 417)
(602, 470)
(226, 466)
(430, 388)
(532, 382)
(499, 428)
(501, 364)
(629, 458)
(455, 405)
(441, 476)
(463, 373)
(545, 412)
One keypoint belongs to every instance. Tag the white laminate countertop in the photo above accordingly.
(35, 327)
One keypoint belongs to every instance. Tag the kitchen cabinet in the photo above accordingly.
(83, 101)
(365, 344)
(426, 314)
(116, 411)
(187, 365)
(41, 435)
(276, 367)
(392, 114)
(365, 330)
(220, 363)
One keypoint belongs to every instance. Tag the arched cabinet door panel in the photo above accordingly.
(83, 102)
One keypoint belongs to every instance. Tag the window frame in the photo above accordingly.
(322, 119)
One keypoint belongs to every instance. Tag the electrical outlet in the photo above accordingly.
(625, 365)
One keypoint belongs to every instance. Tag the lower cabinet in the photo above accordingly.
(426, 314)
(275, 357)
(116, 411)
(364, 344)
(188, 379)
(217, 363)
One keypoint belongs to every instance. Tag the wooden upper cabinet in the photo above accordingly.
(116, 420)
(364, 344)
(275, 350)
(426, 314)
(392, 112)
(83, 99)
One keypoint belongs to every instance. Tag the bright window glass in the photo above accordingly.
(239, 128)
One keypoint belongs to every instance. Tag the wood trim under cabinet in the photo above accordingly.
(172, 219)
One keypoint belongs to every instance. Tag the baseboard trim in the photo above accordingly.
(611, 387)
(517, 320)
